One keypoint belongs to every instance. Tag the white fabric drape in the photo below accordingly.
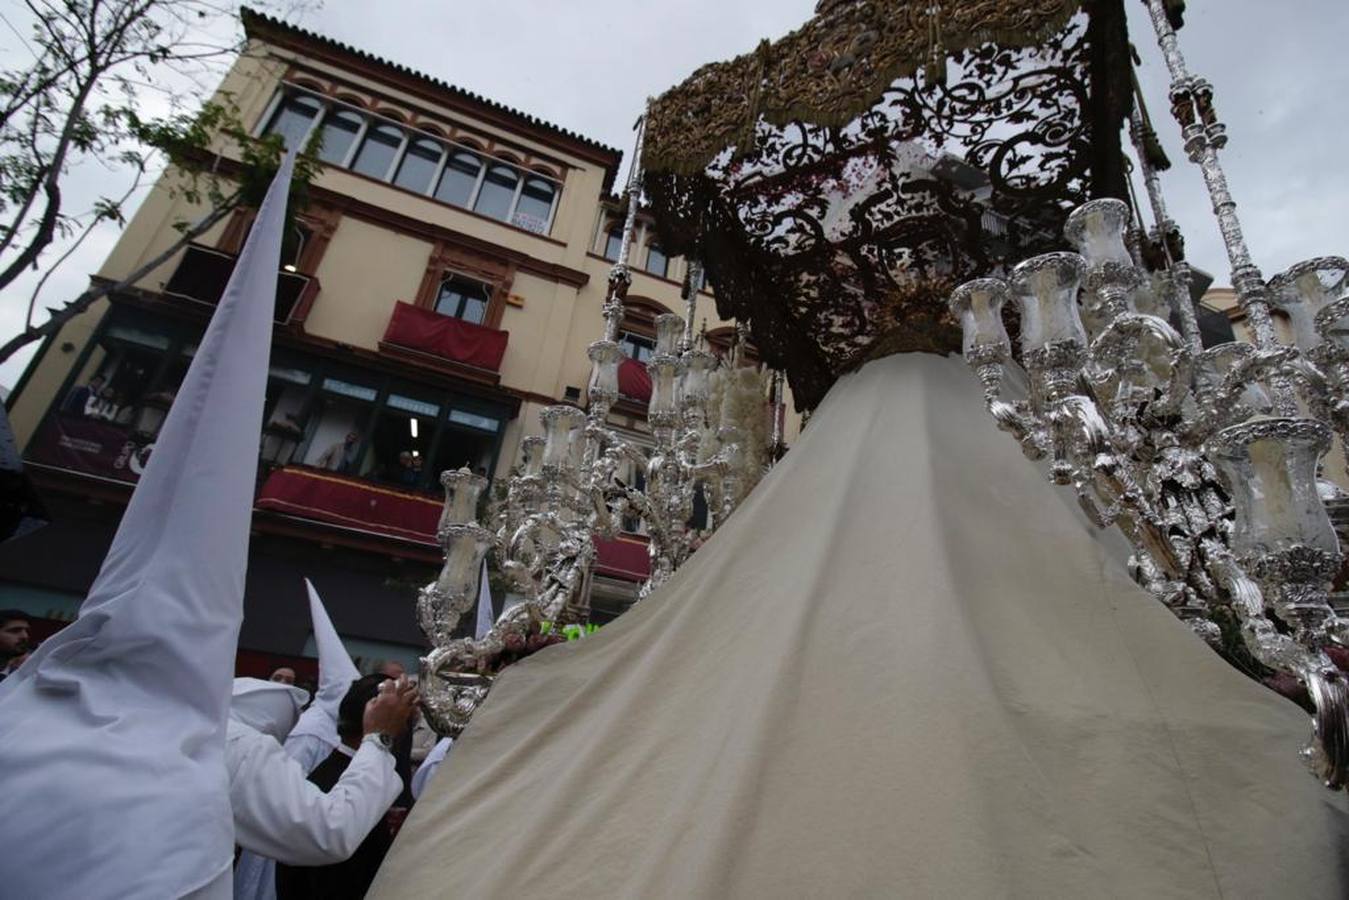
(112, 734)
(903, 668)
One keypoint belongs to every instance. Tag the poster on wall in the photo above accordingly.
(93, 446)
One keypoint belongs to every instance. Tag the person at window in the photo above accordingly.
(403, 473)
(77, 401)
(343, 456)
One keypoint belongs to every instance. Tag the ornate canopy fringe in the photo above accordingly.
(832, 69)
(838, 182)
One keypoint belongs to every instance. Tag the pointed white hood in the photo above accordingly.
(117, 723)
(269, 707)
(336, 673)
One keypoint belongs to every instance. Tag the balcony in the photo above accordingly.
(353, 503)
(204, 272)
(426, 336)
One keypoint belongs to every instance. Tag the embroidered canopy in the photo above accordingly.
(839, 182)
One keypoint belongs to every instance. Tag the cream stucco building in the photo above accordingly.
(439, 289)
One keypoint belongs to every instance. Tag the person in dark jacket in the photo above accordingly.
(348, 880)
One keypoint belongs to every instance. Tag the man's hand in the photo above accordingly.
(392, 709)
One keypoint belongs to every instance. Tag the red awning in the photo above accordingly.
(445, 336)
(626, 557)
(327, 497)
(634, 382)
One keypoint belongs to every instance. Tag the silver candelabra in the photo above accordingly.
(710, 437)
(1185, 452)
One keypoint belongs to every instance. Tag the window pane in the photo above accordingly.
(657, 263)
(293, 117)
(140, 336)
(377, 151)
(408, 404)
(475, 310)
(498, 190)
(613, 245)
(338, 130)
(474, 421)
(464, 298)
(536, 202)
(287, 396)
(347, 389)
(636, 346)
(459, 177)
(294, 376)
(418, 166)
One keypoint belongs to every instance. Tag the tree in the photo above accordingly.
(95, 68)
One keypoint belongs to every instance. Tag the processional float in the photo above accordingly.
(842, 186)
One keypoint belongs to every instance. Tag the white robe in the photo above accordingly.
(280, 814)
(430, 765)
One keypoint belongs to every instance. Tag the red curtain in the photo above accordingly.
(634, 382)
(429, 331)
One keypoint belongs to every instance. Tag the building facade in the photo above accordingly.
(439, 289)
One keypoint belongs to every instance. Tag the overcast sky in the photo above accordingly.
(1279, 72)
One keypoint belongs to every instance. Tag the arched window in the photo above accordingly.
(419, 165)
(657, 263)
(339, 129)
(535, 209)
(497, 192)
(459, 178)
(378, 150)
(293, 117)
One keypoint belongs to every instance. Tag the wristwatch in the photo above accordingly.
(380, 739)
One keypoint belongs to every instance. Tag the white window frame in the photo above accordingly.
(327, 104)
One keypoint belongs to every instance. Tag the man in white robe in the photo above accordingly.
(310, 742)
(277, 811)
(113, 731)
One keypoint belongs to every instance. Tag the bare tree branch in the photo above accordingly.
(81, 303)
